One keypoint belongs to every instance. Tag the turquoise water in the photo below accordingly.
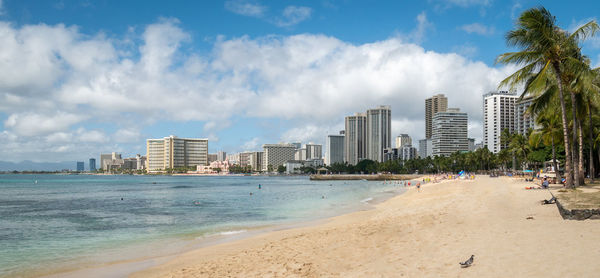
(50, 222)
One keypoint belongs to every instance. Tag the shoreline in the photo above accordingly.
(126, 267)
(415, 234)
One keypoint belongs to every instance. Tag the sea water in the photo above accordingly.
(61, 222)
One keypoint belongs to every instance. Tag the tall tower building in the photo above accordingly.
(403, 140)
(379, 132)
(173, 152)
(523, 120)
(92, 164)
(314, 151)
(334, 149)
(498, 114)
(434, 104)
(355, 140)
(449, 132)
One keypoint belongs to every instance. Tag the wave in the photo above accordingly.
(227, 233)
(366, 200)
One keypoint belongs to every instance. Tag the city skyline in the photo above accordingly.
(106, 77)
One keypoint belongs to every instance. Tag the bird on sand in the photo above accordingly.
(468, 262)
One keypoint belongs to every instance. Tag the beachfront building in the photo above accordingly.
(213, 168)
(407, 152)
(523, 119)
(498, 114)
(425, 148)
(134, 163)
(379, 132)
(233, 158)
(297, 145)
(449, 132)
(313, 151)
(334, 149)
(355, 145)
(434, 104)
(472, 144)
(293, 166)
(80, 166)
(244, 159)
(276, 155)
(111, 161)
(300, 154)
(174, 152)
(403, 140)
(256, 161)
(92, 164)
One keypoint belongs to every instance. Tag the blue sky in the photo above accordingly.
(82, 78)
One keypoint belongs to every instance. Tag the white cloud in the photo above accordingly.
(127, 135)
(516, 7)
(251, 145)
(53, 77)
(478, 28)
(245, 8)
(293, 15)
(91, 136)
(32, 124)
(418, 34)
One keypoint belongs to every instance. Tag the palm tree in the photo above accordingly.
(547, 51)
(520, 147)
(549, 133)
(505, 138)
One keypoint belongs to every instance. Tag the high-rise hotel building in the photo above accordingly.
(379, 129)
(334, 149)
(434, 104)
(498, 114)
(174, 152)
(355, 140)
(523, 119)
(275, 155)
(449, 132)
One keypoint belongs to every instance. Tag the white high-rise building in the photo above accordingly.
(174, 152)
(355, 140)
(403, 140)
(276, 155)
(300, 154)
(524, 120)
(314, 151)
(407, 152)
(498, 114)
(379, 132)
(425, 148)
(335, 149)
(449, 132)
(256, 161)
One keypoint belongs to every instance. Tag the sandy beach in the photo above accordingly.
(416, 234)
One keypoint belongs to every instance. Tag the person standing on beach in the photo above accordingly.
(418, 187)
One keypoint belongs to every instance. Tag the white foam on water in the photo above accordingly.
(366, 200)
(226, 233)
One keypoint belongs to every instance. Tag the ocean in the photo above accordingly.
(51, 223)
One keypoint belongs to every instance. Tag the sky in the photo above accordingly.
(80, 78)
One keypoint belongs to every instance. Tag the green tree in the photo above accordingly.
(547, 54)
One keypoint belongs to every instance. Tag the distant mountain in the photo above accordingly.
(27, 165)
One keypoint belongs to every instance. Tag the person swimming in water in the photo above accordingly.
(259, 186)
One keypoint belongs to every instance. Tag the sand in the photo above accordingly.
(416, 234)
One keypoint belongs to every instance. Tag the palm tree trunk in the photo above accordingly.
(591, 141)
(581, 166)
(563, 109)
(554, 164)
(574, 145)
